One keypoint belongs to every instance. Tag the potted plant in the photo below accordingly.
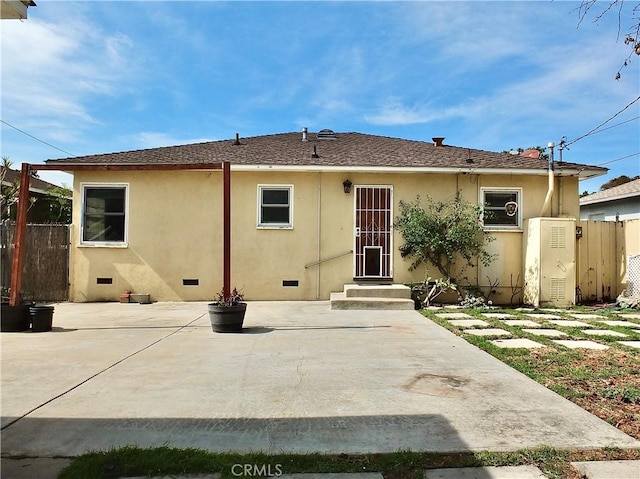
(227, 312)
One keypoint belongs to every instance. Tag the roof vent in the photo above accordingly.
(327, 135)
(437, 141)
(237, 142)
(304, 134)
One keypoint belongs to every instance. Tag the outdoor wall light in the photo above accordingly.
(347, 186)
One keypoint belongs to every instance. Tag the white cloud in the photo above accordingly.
(152, 139)
(51, 70)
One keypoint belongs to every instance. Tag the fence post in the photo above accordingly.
(19, 236)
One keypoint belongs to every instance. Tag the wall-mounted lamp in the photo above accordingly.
(347, 186)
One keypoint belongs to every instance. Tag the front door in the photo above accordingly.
(373, 232)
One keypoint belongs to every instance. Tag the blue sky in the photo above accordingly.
(99, 77)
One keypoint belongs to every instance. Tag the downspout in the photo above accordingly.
(546, 207)
(319, 233)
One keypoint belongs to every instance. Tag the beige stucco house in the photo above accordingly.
(310, 212)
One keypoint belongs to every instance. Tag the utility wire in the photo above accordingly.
(618, 159)
(594, 130)
(37, 139)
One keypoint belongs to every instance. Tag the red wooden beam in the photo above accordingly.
(226, 215)
(19, 236)
(125, 167)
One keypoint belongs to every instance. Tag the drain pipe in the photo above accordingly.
(547, 201)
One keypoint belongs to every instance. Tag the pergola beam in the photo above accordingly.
(23, 206)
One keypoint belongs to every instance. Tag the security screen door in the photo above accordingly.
(373, 232)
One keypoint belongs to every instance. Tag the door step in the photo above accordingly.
(373, 297)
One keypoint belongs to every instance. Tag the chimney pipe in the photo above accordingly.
(437, 141)
(304, 134)
(237, 142)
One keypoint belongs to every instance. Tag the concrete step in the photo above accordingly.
(341, 301)
(377, 291)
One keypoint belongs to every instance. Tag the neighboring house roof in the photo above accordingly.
(339, 151)
(626, 190)
(36, 185)
(15, 9)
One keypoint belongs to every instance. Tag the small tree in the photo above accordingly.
(441, 233)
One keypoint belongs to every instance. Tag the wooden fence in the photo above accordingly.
(602, 258)
(46, 266)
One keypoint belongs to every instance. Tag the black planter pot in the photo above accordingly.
(227, 319)
(15, 318)
(41, 318)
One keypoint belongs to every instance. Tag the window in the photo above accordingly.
(104, 214)
(502, 208)
(275, 209)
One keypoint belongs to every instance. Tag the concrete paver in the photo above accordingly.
(454, 315)
(301, 378)
(624, 324)
(487, 332)
(521, 323)
(489, 472)
(543, 316)
(498, 315)
(33, 467)
(609, 469)
(586, 316)
(517, 343)
(580, 344)
(630, 315)
(632, 344)
(466, 323)
(550, 333)
(604, 332)
(569, 323)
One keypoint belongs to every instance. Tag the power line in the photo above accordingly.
(618, 159)
(594, 130)
(37, 139)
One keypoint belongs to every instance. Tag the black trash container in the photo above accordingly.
(41, 318)
(15, 318)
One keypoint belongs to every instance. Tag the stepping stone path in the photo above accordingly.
(521, 323)
(604, 332)
(467, 323)
(550, 333)
(453, 315)
(488, 332)
(517, 343)
(497, 315)
(631, 344)
(570, 323)
(543, 316)
(569, 343)
(488, 472)
(625, 324)
(630, 315)
(586, 316)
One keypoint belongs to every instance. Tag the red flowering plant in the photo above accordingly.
(233, 299)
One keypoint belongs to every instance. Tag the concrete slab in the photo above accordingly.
(580, 344)
(604, 332)
(301, 378)
(608, 469)
(624, 324)
(569, 323)
(453, 315)
(543, 316)
(467, 323)
(333, 475)
(631, 344)
(487, 332)
(630, 315)
(521, 323)
(586, 316)
(33, 467)
(489, 472)
(498, 315)
(517, 343)
(550, 333)
(553, 310)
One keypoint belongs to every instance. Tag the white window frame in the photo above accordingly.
(104, 244)
(502, 189)
(269, 226)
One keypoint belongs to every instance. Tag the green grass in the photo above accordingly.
(134, 461)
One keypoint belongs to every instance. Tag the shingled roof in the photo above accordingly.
(626, 190)
(352, 151)
(35, 184)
